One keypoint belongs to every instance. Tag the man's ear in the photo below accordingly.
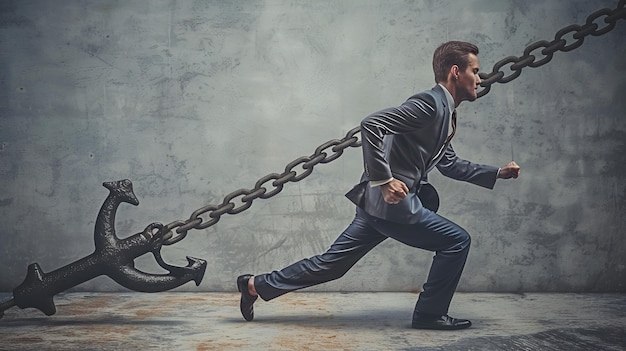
(454, 70)
(453, 73)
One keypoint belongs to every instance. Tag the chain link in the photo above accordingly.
(241, 199)
(541, 52)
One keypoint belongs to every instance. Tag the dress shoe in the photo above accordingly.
(422, 321)
(247, 301)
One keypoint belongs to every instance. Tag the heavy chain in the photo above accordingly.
(327, 152)
(332, 149)
(548, 48)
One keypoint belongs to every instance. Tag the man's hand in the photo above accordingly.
(394, 191)
(511, 170)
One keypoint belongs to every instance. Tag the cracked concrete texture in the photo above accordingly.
(317, 321)
(193, 100)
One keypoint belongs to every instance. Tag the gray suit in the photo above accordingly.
(401, 142)
(398, 142)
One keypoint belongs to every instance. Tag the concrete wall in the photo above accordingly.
(192, 100)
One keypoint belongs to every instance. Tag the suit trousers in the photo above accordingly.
(432, 232)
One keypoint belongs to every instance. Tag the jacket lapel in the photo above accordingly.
(444, 130)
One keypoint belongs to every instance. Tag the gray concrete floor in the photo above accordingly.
(315, 321)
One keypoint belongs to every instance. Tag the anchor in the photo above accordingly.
(112, 256)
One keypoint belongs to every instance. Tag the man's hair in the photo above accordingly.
(450, 54)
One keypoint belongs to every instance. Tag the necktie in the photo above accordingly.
(453, 129)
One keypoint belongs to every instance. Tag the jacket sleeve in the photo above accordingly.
(454, 167)
(417, 112)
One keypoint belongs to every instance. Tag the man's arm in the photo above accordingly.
(413, 114)
(457, 168)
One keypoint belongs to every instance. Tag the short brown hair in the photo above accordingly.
(450, 54)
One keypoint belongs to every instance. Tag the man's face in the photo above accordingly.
(468, 81)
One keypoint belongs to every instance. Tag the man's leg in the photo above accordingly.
(451, 244)
(357, 240)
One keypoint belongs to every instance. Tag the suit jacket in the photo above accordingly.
(400, 142)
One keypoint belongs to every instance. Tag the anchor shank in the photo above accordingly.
(38, 288)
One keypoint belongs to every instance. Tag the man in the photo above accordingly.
(400, 146)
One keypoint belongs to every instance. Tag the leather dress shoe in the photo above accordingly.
(247, 301)
(422, 321)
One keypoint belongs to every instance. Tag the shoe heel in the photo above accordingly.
(242, 283)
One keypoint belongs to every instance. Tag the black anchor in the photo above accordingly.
(112, 256)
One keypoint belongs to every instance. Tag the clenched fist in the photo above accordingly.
(511, 170)
(394, 191)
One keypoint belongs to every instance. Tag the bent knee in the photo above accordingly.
(464, 240)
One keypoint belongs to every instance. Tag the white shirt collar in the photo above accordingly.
(449, 98)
